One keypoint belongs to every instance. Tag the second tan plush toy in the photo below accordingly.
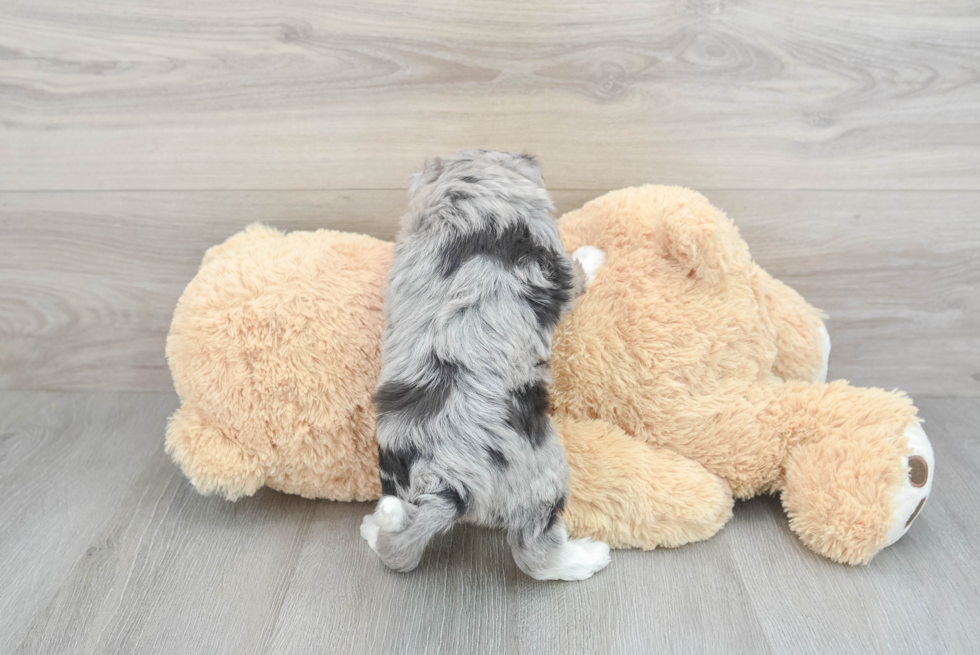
(684, 378)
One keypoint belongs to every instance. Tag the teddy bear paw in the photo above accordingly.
(591, 259)
(912, 494)
(821, 375)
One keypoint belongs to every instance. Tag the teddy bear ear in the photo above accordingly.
(251, 234)
(700, 237)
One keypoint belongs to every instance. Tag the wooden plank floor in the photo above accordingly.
(107, 549)
(842, 136)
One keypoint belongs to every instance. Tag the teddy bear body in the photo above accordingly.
(684, 378)
(686, 344)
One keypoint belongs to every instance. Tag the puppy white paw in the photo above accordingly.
(591, 259)
(390, 514)
(578, 560)
(369, 531)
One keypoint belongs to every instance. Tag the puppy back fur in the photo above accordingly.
(478, 283)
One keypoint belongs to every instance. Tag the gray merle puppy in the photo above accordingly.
(478, 283)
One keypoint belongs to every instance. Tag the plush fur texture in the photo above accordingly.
(478, 283)
(275, 349)
(681, 342)
(681, 380)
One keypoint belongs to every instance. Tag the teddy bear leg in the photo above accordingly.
(212, 461)
(802, 340)
(858, 487)
(633, 495)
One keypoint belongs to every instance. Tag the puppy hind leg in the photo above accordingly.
(389, 514)
(543, 550)
(402, 530)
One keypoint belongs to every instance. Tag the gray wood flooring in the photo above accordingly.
(842, 136)
(107, 549)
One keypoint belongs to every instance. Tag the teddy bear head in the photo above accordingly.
(678, 311)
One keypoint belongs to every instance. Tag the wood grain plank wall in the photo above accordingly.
(330, 94)
(844, 137)
(88, 281)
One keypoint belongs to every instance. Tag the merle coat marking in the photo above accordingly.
(479, 281)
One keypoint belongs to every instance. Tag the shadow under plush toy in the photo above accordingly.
(684, 378)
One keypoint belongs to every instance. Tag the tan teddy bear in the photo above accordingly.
(683, 378)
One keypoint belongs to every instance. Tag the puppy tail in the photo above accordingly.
(405, 529)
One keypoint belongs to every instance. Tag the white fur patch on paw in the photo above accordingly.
(390, 514)
(591, 259)
(825, 349)
(911, 496)
(369, 531)
(578, 560)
